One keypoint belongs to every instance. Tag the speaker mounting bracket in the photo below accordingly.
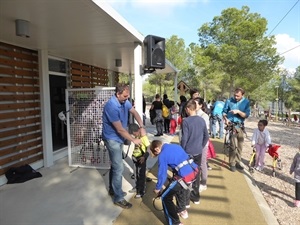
(145, 70)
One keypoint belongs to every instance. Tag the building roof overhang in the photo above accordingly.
(87, 31)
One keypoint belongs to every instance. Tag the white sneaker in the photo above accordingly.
(202, 188)
(196, 202)
(258, 168)
(188, 206)
(184, 214)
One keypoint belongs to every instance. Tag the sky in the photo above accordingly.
(183, 18)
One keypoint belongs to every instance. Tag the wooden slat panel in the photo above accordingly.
(83, 79)
(19, 156)
(13, 115)
(21, 106)
(17, 48)
(19, 89)
(20, 97)
(99, 77)
(19, 131)
(23, 162)
(80, 66)
(99, 83)
(20, 55)
(99, 70)
(13, 80)
(21, 64)
(18, 139)
(13, 71)
(21, 137)
(81, 73)
(78, 85)
(20, 122)
(20, 147)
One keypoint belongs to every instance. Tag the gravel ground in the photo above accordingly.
(279, 191)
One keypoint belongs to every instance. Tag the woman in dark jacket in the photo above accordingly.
(158, 120)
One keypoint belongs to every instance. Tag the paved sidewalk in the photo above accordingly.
(231, 198)
(66, 195)
(77, 196)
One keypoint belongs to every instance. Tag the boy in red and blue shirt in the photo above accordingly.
(184, 173)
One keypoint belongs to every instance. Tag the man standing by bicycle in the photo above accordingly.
(235, 111)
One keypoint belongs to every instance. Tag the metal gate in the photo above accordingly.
(84, 123)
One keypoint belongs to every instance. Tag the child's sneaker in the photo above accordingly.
(297, 203)
(196, 202)
(138, 196)
(258, 168)
(202, 188)
(184, 214)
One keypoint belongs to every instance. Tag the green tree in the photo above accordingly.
(206, 74)
(292, 91)
(234, 45)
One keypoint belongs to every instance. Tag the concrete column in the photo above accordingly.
(45, 108)
(138, 82)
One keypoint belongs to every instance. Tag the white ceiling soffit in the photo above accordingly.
(87, 31)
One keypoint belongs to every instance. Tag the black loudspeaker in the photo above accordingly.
(154, 52)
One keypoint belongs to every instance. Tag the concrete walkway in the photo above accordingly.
(77, 196)
(231, 198)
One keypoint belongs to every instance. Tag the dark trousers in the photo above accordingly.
(183, 199)
(169, 207)
(140, 176)
(297, 191)
(167, 125)
(194, 195)
(159, 127)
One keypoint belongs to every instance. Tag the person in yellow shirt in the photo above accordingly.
(139, 157)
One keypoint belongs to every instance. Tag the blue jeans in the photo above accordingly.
(115, 150)
(214, 120)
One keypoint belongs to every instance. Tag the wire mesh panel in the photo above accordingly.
(84, 119)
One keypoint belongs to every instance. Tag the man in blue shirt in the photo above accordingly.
(114, 133)
(217, 117)
(235, 111)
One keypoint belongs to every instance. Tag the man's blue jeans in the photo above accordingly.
(217, 119)
(115, 150)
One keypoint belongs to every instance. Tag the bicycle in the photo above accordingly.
(276, 163)
(252, 161)
(230, 130)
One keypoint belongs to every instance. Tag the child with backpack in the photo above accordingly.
(139, 158)
(295, 168)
